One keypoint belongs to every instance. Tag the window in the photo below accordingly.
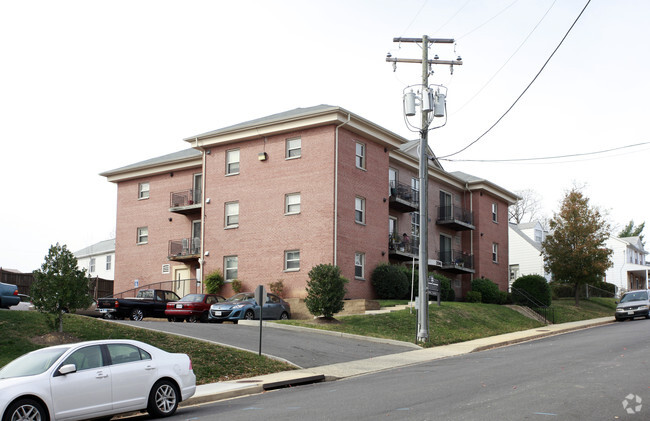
(495, 253)
(125, 353)
(232, 162)
(143, 235)
(445, 212)
(415, 224)
(86, 358)
(230, 265)
(360, 210)
(91, 267)
(359, 265)
(232, 215)
(392, 181)
(292, 203)
(294, 149)
(494, 212)
(143, 191)
(361, 155)
(538, 235)
(109, 262)
(292, 260)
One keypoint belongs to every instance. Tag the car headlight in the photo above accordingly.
(618, 309)
(238, 306)
(643, 307)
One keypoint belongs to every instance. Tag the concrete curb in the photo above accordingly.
(237, 388)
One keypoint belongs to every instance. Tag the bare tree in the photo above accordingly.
(527, 207)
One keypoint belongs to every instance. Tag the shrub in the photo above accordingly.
(390, 282)
(562, 290)
(325, 290)
(236, 285)
(504, 298)
(488, 289)
(447, 293)
(534, 286)
(473, 297)
(214, 282)
(277, 287)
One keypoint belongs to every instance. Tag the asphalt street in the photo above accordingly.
(305, 349)
(592, 374)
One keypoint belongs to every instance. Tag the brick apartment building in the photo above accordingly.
(281, 194)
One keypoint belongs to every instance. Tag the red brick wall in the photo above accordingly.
(487, 233)
(144, 262)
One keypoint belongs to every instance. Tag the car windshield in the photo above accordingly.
(635, 296)
(31, 364)
(241, 297)
(193, 298)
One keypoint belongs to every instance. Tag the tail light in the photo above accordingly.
(16, 292)
(190, 363)
(117, 304)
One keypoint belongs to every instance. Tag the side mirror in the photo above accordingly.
(67, 369)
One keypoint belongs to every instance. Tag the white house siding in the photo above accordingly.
(100, 252)
(626, 274)
(525, 253)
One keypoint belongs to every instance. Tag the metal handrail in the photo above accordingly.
(548, 313)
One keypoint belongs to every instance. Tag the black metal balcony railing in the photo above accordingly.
(460, 218)
(456, 259)
(396, 244)
(185, 247)
(185, 198)
(404, 197)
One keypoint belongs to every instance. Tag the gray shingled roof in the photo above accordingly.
(102, 247)
(172, 157)
(262, 121)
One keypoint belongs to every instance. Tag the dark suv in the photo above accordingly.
(633, 304)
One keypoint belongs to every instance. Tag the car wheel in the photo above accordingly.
(108, 316)
(192, 319)
(163, 399)
(249, 315)
(25, 409)
(171, 319)
(137, 314)
(284, 316)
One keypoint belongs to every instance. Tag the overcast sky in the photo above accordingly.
(90, 86)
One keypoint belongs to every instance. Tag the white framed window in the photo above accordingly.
(230, 267)
(143, 235)
(292, 203)
(392, 181)
(495, 253)
(109, 262)
(91, 266)
(494, 213)
(143, 190)
(166, 268)
(292, 260)
(359, 265)
(360, 210)
(361, 155)
(232, 214)
(232, 162)
(293, 148)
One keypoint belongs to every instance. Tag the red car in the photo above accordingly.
(193, 308)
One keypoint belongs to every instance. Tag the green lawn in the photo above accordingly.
(211, 363)
(566, 310)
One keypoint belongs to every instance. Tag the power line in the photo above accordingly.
(527, 87)
(546, 157)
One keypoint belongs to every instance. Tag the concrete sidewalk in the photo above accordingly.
(234, 388)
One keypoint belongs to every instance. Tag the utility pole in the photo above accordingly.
(426, 109)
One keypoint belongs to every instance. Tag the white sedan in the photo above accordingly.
(94, 379)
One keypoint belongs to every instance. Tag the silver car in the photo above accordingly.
(633, 304)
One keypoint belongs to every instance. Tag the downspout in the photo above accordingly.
(336, 188)
(203, 177)
(471, 237)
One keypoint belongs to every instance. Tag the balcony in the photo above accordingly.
(399, 250)
(456, 261)
(185, 202)
(184, 249)
(455, 217)
(403, 197)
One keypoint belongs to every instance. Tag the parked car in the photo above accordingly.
(94, 379)
(8, 295)
(192, 308)
(147, 303)
(633, 304)
(243, 306)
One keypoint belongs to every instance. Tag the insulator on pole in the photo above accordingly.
(409, 104)
(439, 105)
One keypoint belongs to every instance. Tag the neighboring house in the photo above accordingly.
(283, 193)
(630, 270)
(98, 259)
(525, 250)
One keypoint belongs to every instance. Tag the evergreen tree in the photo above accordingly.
(574, 252)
